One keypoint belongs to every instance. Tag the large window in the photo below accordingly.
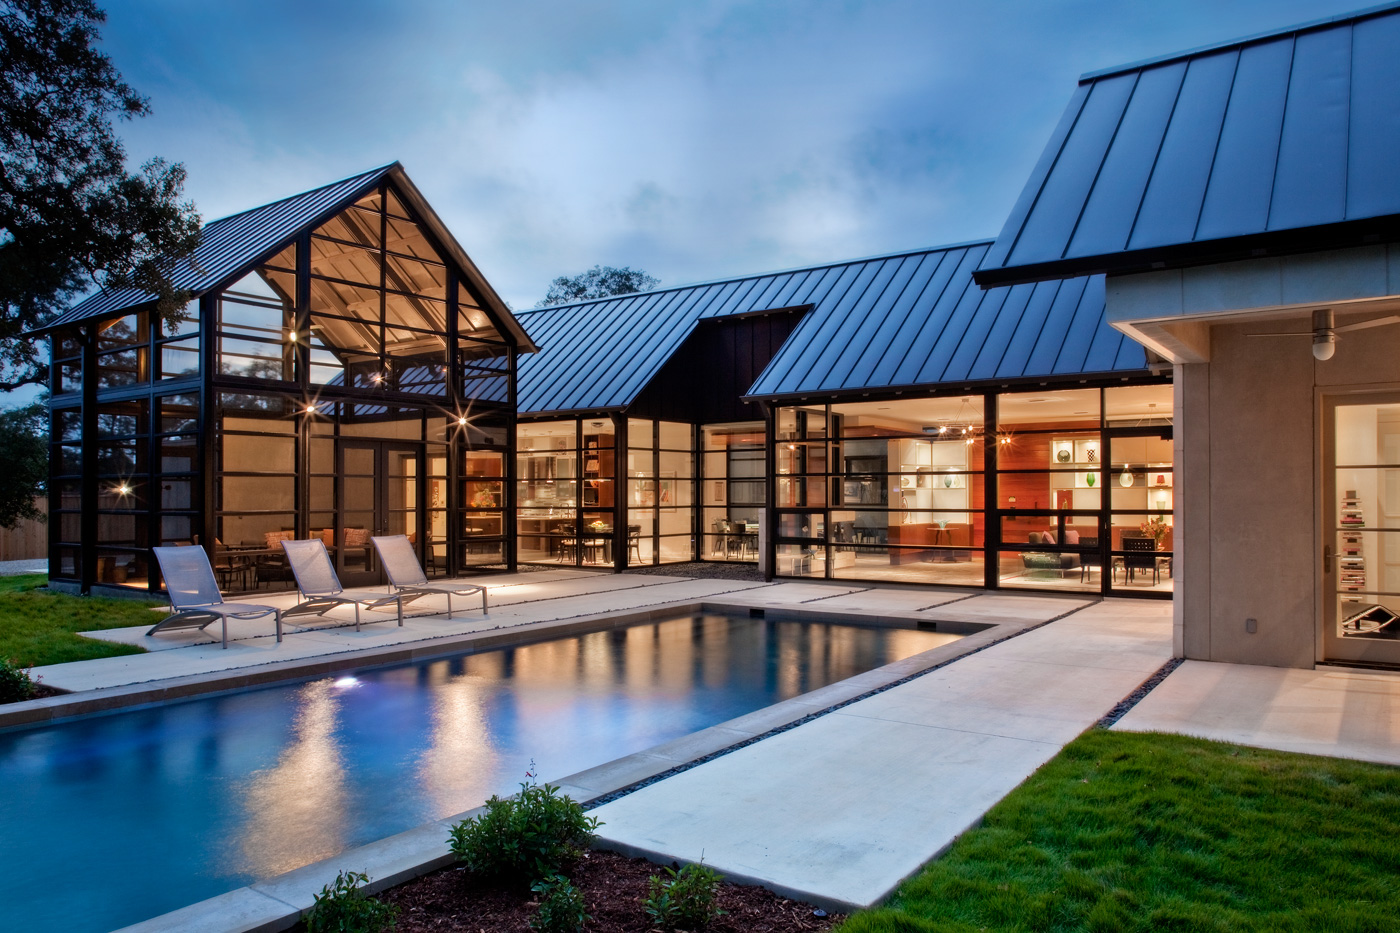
(733, 479)
(897, 490)
(1085, 489)
(660, 492)
(882, 491)
(565, 492)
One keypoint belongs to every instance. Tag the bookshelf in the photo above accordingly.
(1352, 557)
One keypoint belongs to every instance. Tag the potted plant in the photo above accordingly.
(1155, 528)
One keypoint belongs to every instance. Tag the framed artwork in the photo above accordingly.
(666, 492)
(718, 492)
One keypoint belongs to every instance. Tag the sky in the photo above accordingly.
(693, 140)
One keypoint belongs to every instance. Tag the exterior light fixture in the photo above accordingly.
(462, 420)
(123, 490)
(311, 408)
(1324, 345)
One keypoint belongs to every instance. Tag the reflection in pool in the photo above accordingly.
(113, 819)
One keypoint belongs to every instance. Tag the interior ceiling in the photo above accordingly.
(1125, 403)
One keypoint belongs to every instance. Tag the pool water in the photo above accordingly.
(113, 819)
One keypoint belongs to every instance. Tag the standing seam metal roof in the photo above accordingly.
(232, 244)
(1216, 154)
(914, 319)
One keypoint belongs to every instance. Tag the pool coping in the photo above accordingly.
(279, 903)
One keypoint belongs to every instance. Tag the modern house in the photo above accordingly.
(883, 419)
(1169, 376)
(1243, 201)
(343, 369)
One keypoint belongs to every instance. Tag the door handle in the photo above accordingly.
(1327, 558)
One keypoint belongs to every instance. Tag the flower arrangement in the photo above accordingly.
(1154, 528)
(485, 497)
(598, 525)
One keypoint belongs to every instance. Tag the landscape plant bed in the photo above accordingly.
(613, 887)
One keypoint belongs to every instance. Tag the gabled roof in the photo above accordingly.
(1278, 143)
(917, 320)
(912, 319)
(232, 245)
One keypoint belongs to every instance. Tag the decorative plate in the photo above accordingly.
(1062, 456)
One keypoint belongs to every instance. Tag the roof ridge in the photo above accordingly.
(763, 275)
(1353, 16)
(383, 169)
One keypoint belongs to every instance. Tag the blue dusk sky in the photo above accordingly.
(694, 140)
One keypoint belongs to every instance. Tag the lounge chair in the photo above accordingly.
(320, 588)
(406, 574)
(195, 597)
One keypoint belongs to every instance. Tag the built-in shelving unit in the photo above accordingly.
(1352, 557)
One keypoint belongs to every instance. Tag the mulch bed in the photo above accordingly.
(613, 887)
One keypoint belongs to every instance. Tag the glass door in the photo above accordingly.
(1361, 529)
(1141, 493)
(380, 483)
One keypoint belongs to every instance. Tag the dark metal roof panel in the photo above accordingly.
(1310, 185)
(906, 320)
(1375, 118)
(1242, 178)
(1280, 142)
(231, 243)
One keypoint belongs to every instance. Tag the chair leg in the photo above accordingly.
(357, 617)
(399, 601)
(278, 617)
(224, 619)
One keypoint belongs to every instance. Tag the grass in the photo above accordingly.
(38, 627)
(1140, 832)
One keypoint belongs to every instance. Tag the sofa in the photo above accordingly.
(1051, 561)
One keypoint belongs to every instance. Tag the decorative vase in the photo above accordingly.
(1089, 478)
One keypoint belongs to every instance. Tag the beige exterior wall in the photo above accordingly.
(1248, 442)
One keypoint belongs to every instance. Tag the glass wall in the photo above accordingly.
(565, 492)
(897, 490)
(660, 492)
(733, 483)
(144, 449)
(358, 386)
(902, 482)
(1084, 486)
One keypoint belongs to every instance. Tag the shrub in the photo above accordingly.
(342, 907)
(15, 683)
(561, 906)
(528, 837)
(685, 900)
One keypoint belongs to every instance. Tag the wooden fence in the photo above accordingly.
(29, 540)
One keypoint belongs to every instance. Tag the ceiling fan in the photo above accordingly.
(1325, 331)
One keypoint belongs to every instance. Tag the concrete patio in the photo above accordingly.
(1333, 711)
(841, 809)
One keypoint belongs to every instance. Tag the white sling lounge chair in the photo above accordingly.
(195, 597)
(406, 574)
(320, 588)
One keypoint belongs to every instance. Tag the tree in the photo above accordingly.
(24, 449)
(71, 215)
(598, 282)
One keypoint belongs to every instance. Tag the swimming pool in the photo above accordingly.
(113, 819)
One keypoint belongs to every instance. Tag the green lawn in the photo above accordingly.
(1125, 832)
(38, 627)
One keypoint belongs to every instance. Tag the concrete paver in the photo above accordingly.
(841, 809)
(1327, 711)
(204, 655)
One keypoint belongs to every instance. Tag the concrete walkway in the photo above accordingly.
(1331, 711)
(839, 810)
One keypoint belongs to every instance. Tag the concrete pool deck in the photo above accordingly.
(839, 810)
(835, 809)
(1333, 711)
